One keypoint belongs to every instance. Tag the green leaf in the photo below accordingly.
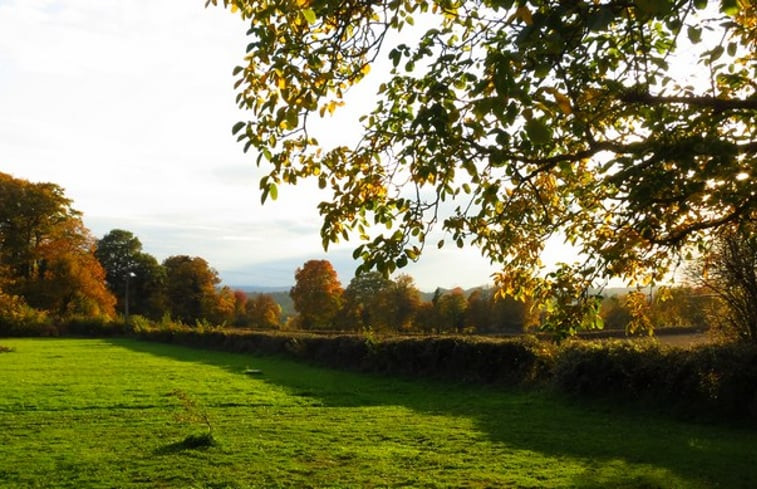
(716, 53)
(654, 7)
(694, 33)
(538, 131)
(601, 19)
(729, 7)
(292, 118)
(309, 15)
(238, 127)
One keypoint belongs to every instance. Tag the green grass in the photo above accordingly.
(105, 413)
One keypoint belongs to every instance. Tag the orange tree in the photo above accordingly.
(191, 289)
(317, 294)
(46, 253)
(263, 312)
(508, 123)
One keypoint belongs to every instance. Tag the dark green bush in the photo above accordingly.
(718, 380)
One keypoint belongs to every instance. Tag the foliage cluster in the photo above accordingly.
(729, 272)
(53, 271)
(660, 308)
(718, 378)
(372, 302)
(47, 265)
(508, 123)
(185, 288)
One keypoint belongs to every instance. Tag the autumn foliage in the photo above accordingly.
(47, 260)
(317, 294)
(509, 123)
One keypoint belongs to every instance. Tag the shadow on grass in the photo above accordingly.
(199, 441)
(603, 434)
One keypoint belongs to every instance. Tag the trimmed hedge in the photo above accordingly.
(711, 380)
(716, 379)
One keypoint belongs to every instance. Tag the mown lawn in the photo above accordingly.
(101, 413)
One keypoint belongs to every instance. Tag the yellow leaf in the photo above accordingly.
(525, 15)
(563, 102)
(365, 69)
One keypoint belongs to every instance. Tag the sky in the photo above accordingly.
(128, 105)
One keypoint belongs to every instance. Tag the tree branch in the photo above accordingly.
(718, 104)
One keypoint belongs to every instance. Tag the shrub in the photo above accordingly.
(718, 380)
(17, 318)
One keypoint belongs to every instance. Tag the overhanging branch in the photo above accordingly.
(715, 103)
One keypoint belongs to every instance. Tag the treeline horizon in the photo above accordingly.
(52, 269)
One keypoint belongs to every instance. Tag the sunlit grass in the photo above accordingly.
(104, 413)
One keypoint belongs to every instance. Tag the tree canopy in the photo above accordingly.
(191, 288)
(121, 255)
(729, 272)
(508, 123)
(46, 254)
(317, 294)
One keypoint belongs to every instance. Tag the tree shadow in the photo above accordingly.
(200, 441)
(599, 432)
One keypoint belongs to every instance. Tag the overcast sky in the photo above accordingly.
(129, 105)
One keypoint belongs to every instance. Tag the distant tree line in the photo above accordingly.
(374, 302)
(51, 269)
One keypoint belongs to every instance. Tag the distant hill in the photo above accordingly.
(261, 289)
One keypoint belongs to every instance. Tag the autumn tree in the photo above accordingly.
(729, 271)
(263, 312)
(488, 312)
(46, 253)
(451, 307)
(317, 294)
(240, 306)
(614, 313)
(121, 254)
(191, 288)
(509, 123)
(221, 311)
(403, 299)
(365, 302)
(426, 317)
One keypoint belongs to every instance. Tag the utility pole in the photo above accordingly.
(126, 296)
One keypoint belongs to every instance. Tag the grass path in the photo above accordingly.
(100, 413)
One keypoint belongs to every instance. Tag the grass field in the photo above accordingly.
(104, 413)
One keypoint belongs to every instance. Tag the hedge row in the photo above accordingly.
(714, 380)
(710, 380)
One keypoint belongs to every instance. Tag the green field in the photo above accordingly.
(104, 413)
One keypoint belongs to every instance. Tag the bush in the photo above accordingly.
(93, 326)
(718, 380)
(17, 318)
